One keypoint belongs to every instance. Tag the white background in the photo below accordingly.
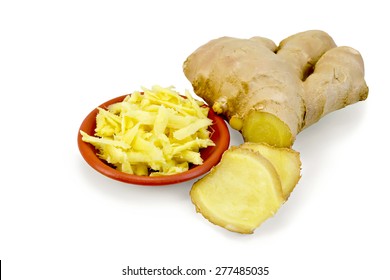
(59, 219)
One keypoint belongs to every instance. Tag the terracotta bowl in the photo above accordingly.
(210, 155)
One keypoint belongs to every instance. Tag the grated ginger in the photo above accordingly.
(152, 133)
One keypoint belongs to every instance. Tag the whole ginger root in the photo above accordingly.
(270, 93)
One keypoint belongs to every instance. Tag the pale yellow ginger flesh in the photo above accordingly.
(262, 127)
(285, 160)
(292, 85)
(240, 193)
(248, 186)
(156, 132)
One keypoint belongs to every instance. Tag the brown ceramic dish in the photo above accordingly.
(210, 155)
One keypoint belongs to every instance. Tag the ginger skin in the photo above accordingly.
(272, 93)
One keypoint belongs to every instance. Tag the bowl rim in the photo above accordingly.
(89, 154)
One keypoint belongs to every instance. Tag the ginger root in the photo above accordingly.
(272, 93)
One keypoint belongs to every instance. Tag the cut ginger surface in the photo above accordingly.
(286, 161)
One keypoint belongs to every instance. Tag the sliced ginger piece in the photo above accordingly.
(240, 193)
(286, 161)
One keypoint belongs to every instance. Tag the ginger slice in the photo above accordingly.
(286, 161)
(240, 193)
